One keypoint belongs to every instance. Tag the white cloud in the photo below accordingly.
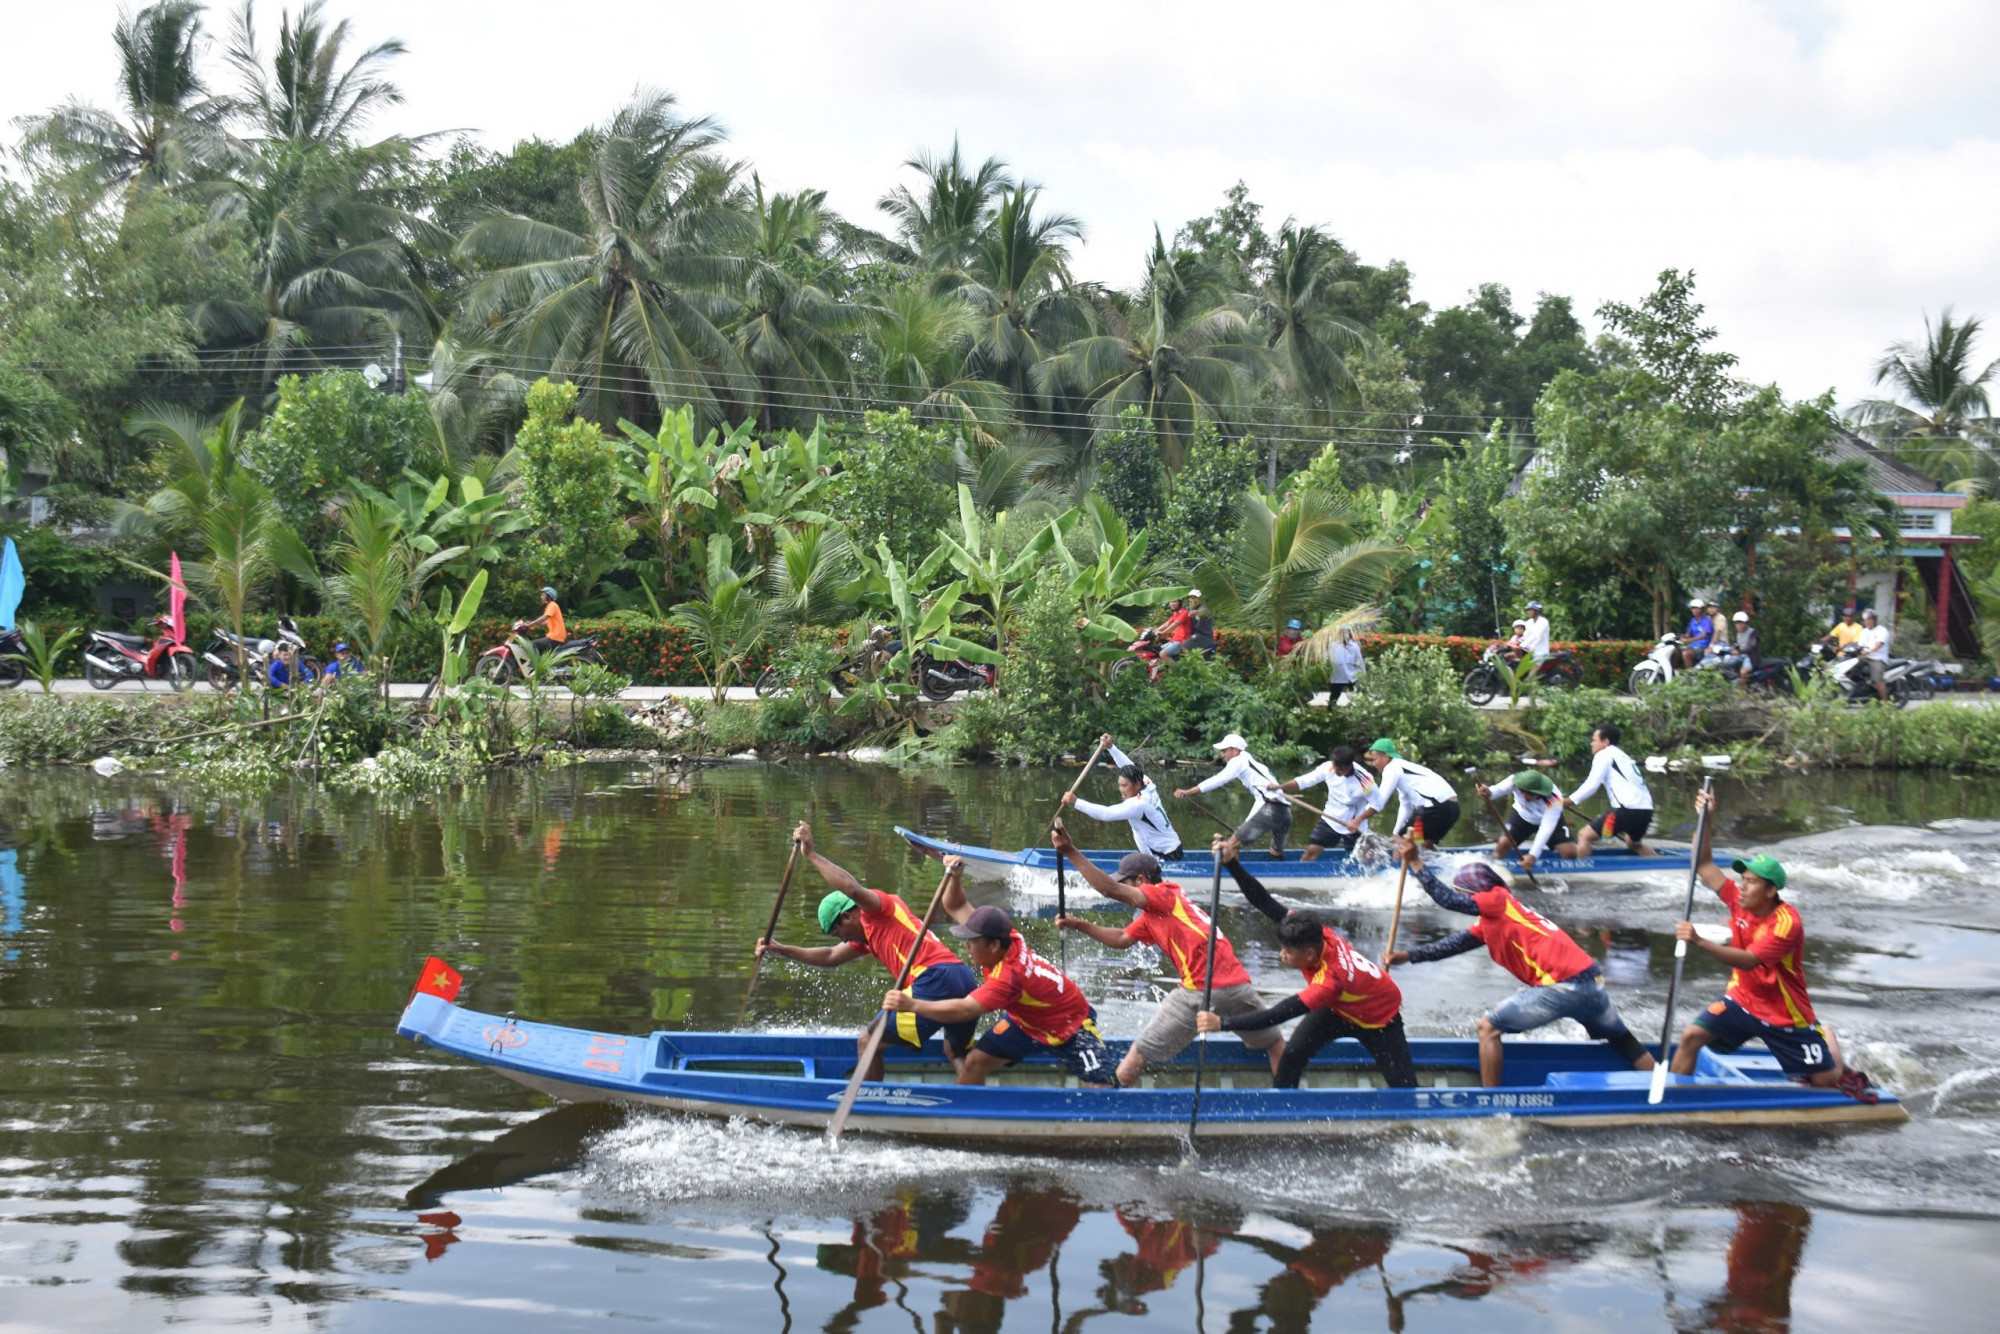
(1827, 167)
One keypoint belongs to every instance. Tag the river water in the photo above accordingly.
(206, 1118)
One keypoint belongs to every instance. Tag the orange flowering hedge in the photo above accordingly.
(1605, 662)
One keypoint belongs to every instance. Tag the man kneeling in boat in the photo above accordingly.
(1179, 929)
(1766, 999)
(1045, 1010)
(1563, 981)
(869, 921)
(1535, 821)
(1345, 996)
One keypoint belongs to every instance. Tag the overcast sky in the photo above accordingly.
(1830, 169)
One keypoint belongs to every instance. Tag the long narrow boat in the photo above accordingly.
(796, 1080)
(1196, 864)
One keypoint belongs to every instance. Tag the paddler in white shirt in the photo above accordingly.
(1424, 798)
(1139, 806)
(1347, 789)
(1631, 813)
(1535, 823)
(1271, 816)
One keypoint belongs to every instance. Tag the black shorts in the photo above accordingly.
(1084, 1055)
(1433, 822)
(941, 981)
(1800, 1051)
(1326, 835)
(1623, 822)
(1524, 833)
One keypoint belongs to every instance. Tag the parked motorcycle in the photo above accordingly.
(13, 659)
(498, 664)
(865, 664)
(219, 657)
(941, 680)
(110, 657)
(1658, 667)
(1558, 671)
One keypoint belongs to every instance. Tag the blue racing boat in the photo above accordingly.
(797, 1080)
(1195, 865)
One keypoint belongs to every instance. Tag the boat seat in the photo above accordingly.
(117, 637)
(1600, 1079)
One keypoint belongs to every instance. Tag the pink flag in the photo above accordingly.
(177, 596)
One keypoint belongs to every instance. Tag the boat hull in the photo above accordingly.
(797, 1080)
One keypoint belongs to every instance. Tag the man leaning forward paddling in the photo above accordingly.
(872, 921)
(1044, 1011)
(1170, 922)
(1139, 806)
(1562, 981)
(1346, 995)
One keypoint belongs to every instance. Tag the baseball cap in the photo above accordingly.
(337, 648)
(1764, 866)
(1138, 866)
(1387, 747)
(1741, 616)
(1234, 741)
(1477, 878)
(1194, 592)
(1535, 781)
(1292, 625)
(830, 909)
(989, 923)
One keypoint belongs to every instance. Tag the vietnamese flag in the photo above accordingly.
(177, 596)
(439, 979)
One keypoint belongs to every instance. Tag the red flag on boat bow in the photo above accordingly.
(439, 979)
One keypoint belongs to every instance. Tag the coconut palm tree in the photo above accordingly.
(1306, 556)
(1179, 353)
(939, 225)
(633, 311)
(310, 94)
(786, 328)
(1298, 310)
(922, 338)
(1941, 417)
(172, 125)
(1018, 287)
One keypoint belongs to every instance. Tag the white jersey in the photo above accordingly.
(1545, 813)
(1612, 769)
(1535, 638)
(1346, 795)
(1152, 831)
(1414, 788)
(1250, 771)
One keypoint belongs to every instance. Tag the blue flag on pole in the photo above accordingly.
(12, 584)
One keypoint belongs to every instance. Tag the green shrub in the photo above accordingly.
(1410, 693)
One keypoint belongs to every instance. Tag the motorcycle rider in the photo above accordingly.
(550, 622)
(1174, 632)
(1744, 659)
(1873, 646)
(1535, 635)
(1700, 630)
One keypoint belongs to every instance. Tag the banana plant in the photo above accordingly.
(775, 486)
(996, 583)
(452, 623)
(1120, 577)
(924, 630)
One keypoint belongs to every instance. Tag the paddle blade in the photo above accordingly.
(1659, 1088)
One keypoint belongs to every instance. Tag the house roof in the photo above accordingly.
(1886, 472)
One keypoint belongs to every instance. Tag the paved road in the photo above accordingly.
(402, 690)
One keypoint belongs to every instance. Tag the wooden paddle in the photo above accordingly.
(880, 1028)
(1493, 809)
(791, 863)
(1207, 993)
(1088, 766)
(1659, 1088)
(1396, 918)
(1210, 814)
(1062, 882)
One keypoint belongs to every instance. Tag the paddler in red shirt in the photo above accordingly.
(1766, 1000)
(871, 922)
(1172, 924)
(1346, 995)
(1563, 982)
(1045, 1010)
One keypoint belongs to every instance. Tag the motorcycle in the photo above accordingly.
(110, 657)
(220, 655)
(1145, 651)
(13, 659)
(1558, 671)
(865, 664)
(1899, 676)
(1658, 667)
(941, 680)
(498, 664)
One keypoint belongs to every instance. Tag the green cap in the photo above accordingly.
(1764, 866)
(830, 909)
(1387, 747)
(1535, 781)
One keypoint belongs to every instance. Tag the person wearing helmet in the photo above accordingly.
(1700, 630)
(875, 922)
(550, 623)
(1201, 626)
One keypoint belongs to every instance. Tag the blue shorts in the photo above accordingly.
(1083, 1055)
(1583, 999)
(941, 981)
(1800, 1051)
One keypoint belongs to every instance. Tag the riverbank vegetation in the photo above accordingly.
(349, 378)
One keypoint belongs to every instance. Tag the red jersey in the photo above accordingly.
(1180, 626)
(1173, 925)
(1350, 985)
(1048, 1006)
(1775, 990)
(890, 932)
(1524, 942)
